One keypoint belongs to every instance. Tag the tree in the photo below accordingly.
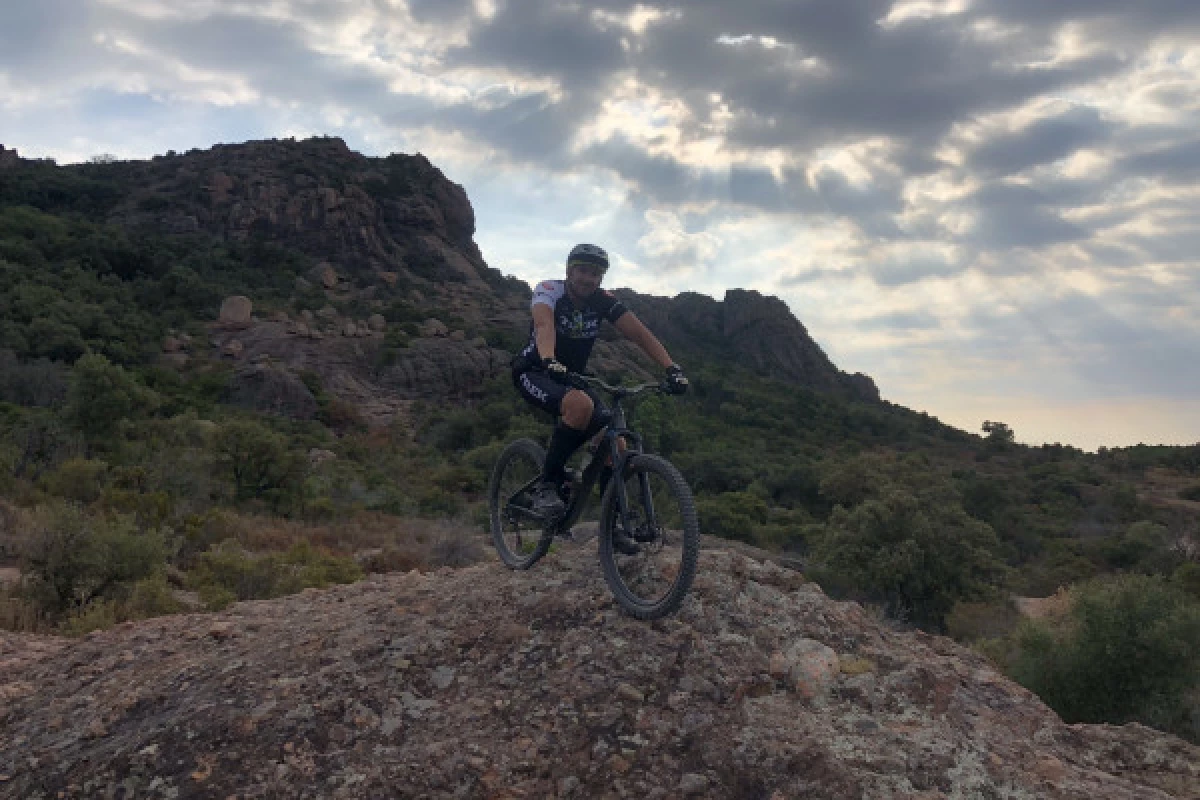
(102, 394)
(258, 461)
(999, 435)
(917, 554)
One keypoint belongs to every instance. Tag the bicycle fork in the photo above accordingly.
(627, 513)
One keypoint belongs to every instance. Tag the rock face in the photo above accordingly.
(485, 682)
(273, 390)
(755, 330)
(354, 216)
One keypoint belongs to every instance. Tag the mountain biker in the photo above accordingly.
(566, 322)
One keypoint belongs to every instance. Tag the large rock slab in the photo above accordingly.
(485, 682)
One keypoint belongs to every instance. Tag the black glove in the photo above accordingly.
(555, 368)
(677, 382)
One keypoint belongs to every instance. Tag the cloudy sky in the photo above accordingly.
(990, 206)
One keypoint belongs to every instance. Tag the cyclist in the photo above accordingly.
(566, 321)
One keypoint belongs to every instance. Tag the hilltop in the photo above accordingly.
(483, 682)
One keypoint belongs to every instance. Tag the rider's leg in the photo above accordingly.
(569, 434)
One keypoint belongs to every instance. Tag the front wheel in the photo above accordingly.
(518, 538)
(660, 523)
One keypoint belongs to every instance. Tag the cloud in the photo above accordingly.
(900, 321)
(670, 246)
(1043, 141)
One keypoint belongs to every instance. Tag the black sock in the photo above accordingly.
(564, 441)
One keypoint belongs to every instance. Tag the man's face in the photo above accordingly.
(583, 279)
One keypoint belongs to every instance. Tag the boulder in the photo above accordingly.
(233, 348)
(811, 667)
(235, 312)
(377, 323)
(317, 456)
(458, 336)
(171, 345)
(431, 328)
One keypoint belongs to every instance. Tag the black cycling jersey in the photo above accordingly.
(575, 328)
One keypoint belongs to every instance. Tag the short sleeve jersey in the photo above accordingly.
(575, 327)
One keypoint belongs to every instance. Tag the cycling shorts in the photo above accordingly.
(542, 391)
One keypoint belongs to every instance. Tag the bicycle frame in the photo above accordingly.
(617, 429)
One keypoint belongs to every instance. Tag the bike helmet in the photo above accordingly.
(589, 254)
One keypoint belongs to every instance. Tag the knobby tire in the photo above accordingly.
(520, 453)
(689, 534)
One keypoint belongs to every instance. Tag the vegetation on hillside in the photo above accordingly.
(128, 488)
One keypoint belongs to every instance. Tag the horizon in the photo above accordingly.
(992, 208)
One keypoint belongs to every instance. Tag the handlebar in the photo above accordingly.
(580, 381)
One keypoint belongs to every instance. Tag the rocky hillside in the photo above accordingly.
(483, 682)
(391, 241)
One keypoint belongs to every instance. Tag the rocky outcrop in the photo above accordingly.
(752, 329)
(356, 216)
(272, 390)
(484, 682)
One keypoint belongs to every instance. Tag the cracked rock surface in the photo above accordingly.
(487, 683)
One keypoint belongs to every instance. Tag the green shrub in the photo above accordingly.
(150, 597)
(228, 570)
(917, 556)
(1137, 545)
(1187, 578)
(76, 479)
(102, 394)
(1129, 650)
(71, 558)
(259, 462)
(732, 515)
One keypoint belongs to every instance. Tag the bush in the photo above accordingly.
(259, 462)
(228, 570)
(71, 558)
(1129, 650)
(1191, 493)
(102, 394)
(150, 597)
(77, 479)
(917, 556)
(732, 515)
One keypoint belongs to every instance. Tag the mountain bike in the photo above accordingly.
(649, 501)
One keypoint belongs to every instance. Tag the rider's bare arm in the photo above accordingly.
(632, 328)
(543, 324)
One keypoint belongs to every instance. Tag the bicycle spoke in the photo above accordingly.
(516, 533)
(655, 521)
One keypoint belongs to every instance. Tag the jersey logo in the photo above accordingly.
(547, 285)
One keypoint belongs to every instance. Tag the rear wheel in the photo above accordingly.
(519, 539)
(661, 519)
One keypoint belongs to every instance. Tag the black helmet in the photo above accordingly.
(589, 254)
